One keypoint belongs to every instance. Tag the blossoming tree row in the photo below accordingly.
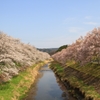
(85, 49)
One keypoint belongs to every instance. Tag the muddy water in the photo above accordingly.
(48, 87)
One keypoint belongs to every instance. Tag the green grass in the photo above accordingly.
(16, 88)
(7, 89)
(57, 67)
(90, 68)
(88, 89)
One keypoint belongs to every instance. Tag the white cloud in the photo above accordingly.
(88, 17)
(91, 23)
(74, 29)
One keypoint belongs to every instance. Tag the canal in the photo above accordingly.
(48, 87)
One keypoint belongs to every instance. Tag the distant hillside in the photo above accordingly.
(62, 47)
(49, 50)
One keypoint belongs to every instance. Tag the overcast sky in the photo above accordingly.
(48, 23)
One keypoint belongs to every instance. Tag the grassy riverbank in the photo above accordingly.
(85, 79)
(16, 88)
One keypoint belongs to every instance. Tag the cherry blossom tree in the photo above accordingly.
(15, 55)
(84, 50)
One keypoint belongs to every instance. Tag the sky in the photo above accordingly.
(49, 23)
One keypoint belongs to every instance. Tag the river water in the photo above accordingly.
(48, 87)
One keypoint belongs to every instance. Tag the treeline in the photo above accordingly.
(84, 50)
(62, 47)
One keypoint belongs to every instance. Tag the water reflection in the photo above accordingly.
(48, 87)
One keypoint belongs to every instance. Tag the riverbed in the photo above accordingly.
(48, 87)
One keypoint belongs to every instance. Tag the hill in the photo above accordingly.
(61, 48)
(49, 50)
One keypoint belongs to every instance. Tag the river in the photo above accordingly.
(48, 87)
